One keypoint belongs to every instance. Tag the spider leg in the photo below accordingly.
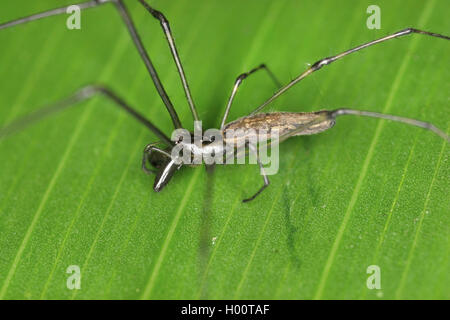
(326, 61)
(49, 13)
(238, 82)
(413, 122)
(173, 49)
(263, 173)
(134, 36)
(83, 94)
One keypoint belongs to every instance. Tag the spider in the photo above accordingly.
(281, 124)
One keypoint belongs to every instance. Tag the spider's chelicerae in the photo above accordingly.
(163, 163)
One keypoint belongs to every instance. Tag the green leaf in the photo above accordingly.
(368, 192)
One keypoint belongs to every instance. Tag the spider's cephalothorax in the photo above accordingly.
(165, 162)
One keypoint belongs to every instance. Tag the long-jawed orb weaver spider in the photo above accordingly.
(164, 165)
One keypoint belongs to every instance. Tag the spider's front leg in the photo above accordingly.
(126, 18)
(81, 95)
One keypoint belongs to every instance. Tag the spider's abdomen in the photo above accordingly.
(285, 123)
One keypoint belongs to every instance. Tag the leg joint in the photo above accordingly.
(155, 13)
(323, 62)
(242, 76)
